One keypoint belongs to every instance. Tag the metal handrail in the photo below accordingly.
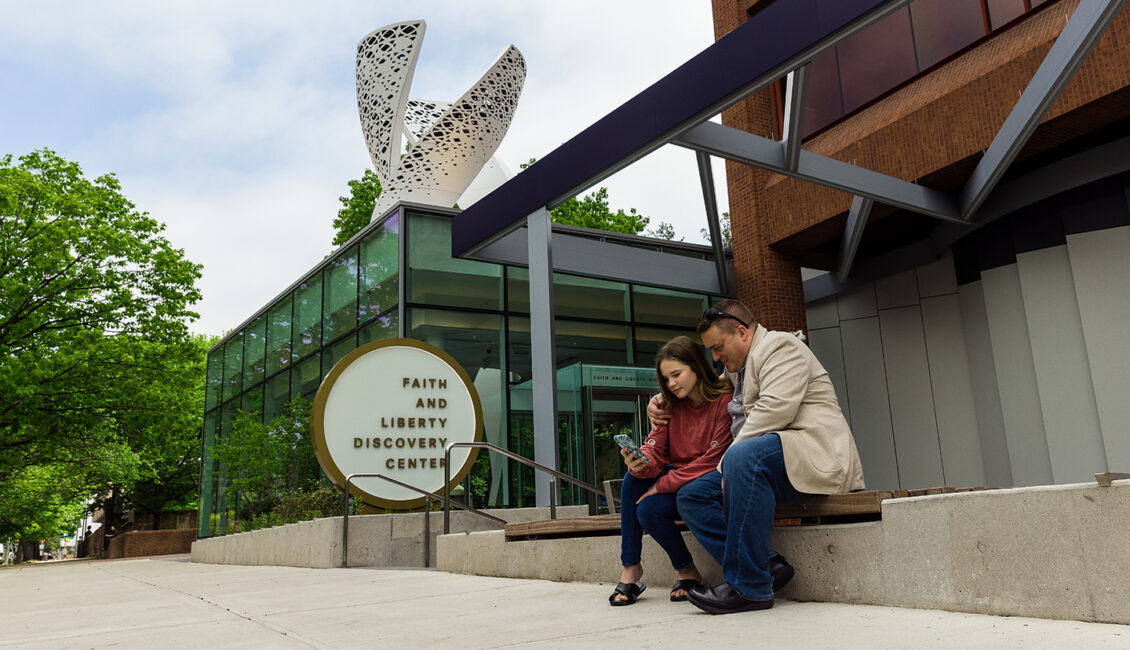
(428, 496)
(513, 456)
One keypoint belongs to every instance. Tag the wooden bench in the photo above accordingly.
(830, 509)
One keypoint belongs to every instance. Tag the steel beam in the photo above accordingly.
(710, 198)
(853, 234)
(796, 89)
(542, 349)
(1086, 26)
(733, 144)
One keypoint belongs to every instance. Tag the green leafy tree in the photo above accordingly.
(357, 208)
(93, 309)
(266, 462)
(724, 222)
(592, 211)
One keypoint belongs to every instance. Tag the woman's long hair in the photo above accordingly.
(685, 350)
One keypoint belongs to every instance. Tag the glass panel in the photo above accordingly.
(341, 295)
(208, 477)
(385, 326)
(224, 505)
(335, 353)
(1002, 11)
(942, 27)
(476, 342)
(578, 297)
(252, 401)
(215, 379)
(255, 351)
(233, 366)
(276, 396)
(307, 317)
(876, 59)
(591, 343)
(379, 270)
(278, 335)
(435, 278)
(517, 290)
(667, 307)
(306, 376)
(650, 339)
(824, 104)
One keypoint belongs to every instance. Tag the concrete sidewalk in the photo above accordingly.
(173, 603)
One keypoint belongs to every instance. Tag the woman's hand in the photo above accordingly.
(634, 463)
(658, 411)
(650, 491)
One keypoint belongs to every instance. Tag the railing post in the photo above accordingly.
(427, 530)
(447, 490)
(553, 497)
(345, 526)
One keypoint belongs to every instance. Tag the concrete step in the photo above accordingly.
(1048, 551)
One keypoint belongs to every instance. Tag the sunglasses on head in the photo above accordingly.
(713, 314)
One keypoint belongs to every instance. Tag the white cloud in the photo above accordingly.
(236, 125)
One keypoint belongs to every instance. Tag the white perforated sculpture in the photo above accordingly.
(452, 144)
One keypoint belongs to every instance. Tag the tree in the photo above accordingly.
(592, 211)
(93, 309)
(663, 231)
(357, 208)
(724, 222)
(266, 462)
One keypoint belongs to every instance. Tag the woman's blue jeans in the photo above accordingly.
(734, 524)
(656, 515)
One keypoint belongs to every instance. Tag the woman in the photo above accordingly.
(677, 453)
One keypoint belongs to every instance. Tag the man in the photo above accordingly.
(790, 441)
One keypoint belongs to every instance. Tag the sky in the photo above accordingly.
(235, 123)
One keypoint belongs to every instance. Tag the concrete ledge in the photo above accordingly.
(1051, 552)
(394, 540)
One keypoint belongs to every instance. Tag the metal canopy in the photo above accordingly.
(777, 42)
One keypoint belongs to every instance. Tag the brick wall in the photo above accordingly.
(143, 543)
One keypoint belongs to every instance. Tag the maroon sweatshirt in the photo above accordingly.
(693, 442)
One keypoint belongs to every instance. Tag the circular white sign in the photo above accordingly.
(389, 408)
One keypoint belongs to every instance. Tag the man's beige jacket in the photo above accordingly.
(786, 391)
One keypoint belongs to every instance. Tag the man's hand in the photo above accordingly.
(634, 463)
(658, 411)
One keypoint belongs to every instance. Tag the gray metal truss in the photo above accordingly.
(1082, 32)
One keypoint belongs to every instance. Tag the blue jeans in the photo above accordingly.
(656, 515)
(733, 525)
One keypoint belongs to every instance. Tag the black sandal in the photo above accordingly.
(685, 585)
(631, 590)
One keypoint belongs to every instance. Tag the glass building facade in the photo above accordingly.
(398, 278)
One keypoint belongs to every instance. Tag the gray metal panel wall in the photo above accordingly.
(1063, 376)
(1100, 265)
(870, 404)
(1016, 377)
(911, 395)
(983, 381)
(958, 430)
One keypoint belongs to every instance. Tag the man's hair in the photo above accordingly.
(734, 308)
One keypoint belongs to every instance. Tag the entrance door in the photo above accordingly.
(614, 411)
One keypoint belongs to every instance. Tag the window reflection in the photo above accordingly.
(876, 59)
(278, 335)
(942, 27)
(436, 278)
(307, 317)
(379, 261)
(341, 295)
(255, 350)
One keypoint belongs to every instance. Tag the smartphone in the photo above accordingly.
(625, 442)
